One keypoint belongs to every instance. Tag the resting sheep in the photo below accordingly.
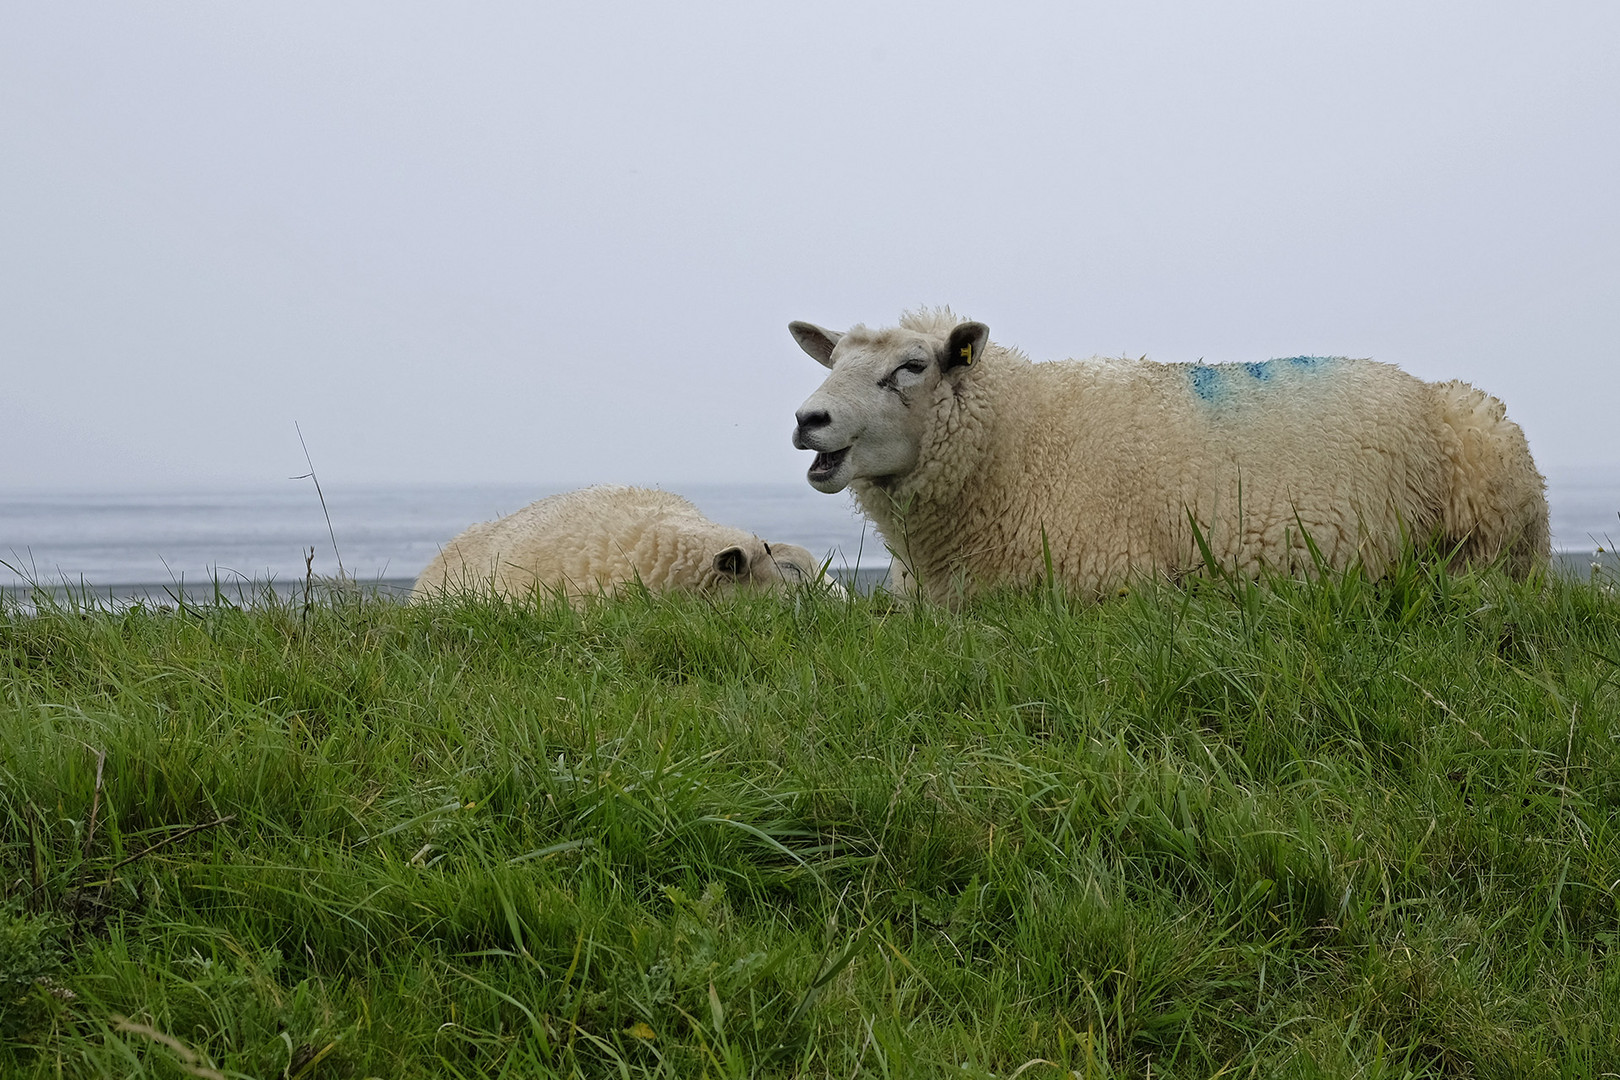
(599, 539)
(977, 465)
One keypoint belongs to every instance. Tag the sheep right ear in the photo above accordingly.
(732, 562)
(816, 341)
(964, 346)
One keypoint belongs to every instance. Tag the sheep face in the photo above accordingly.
(868, 418)
(761, 566)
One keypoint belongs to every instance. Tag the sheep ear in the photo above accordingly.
(815, 341)
(965, 345)
(732, 562)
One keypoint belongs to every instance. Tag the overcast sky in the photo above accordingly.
(559, 243)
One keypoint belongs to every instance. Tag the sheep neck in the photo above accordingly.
(930, 517)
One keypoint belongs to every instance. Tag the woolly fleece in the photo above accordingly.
(973, 470)
(598, 539)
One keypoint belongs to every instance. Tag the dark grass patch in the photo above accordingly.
(1325, 828)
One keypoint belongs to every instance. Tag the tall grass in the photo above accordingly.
(1307, 829)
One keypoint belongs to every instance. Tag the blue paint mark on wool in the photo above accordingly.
(1214, 383)
(1205, 380)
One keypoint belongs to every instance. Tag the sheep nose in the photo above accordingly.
(812, 418)
(809, 420)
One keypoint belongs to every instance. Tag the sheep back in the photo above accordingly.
(596, 541)
(1112, 468)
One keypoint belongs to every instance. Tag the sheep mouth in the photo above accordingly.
(827, 463)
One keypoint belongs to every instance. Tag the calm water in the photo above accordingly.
(382, 533)
(389, 534)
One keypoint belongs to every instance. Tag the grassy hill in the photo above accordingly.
(1303, 829)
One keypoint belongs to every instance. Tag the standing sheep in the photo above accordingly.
(595, 540)
(975, 463)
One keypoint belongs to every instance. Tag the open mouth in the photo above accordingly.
(827, 463)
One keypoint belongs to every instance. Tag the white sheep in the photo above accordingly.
(598, 539)
(978, 466)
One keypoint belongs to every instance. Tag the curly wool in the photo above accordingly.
(599, 539)
(1110, 465)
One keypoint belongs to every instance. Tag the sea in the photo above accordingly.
(232, 544)
(200, 544)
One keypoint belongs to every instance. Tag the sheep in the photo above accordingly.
(599, 539)
(979, 467)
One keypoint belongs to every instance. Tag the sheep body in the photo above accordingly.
(976, 472)
(599, 539)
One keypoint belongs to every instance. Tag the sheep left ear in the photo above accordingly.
(965, 345)
(732, 562)
(815, 340)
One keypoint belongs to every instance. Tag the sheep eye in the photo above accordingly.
(910, 367)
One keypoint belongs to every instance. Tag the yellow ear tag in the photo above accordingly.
(967, 354)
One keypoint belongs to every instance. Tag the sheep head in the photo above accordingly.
(868, 418)
(756, 564)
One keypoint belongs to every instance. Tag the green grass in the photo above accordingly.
(1309, 829)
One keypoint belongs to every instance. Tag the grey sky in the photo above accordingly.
(549, 243)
